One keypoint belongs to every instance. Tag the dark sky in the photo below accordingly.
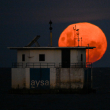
(22, 20)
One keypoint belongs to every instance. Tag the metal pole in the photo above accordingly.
(74, 34)
(78, 37)
(50, 33)
(51, 38)
(74, 37)
(88, 53)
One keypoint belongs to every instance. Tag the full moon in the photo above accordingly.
(90, 34)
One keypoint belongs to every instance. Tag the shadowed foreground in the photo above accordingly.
(97, 101)
(55, 101)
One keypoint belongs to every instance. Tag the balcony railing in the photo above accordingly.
(17, 64)
(79, 65)
(40, 65)
(33, 65)
(49, 65)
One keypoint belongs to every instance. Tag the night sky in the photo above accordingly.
(22, 20)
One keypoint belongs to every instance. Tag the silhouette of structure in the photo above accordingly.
(51, 69)
(34, 41)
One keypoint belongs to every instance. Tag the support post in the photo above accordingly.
(88, 53)
(50, 33)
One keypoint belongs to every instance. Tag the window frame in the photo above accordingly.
(23, 57)
(41, 57)
(81, 57)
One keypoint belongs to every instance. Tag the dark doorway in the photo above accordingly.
(23, 57)
(65, 58)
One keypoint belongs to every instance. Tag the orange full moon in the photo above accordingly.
(90, 33)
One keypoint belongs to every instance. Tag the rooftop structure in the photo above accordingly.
(51, 68)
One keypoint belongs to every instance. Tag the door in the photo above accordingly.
(39, 78)
(65, 58)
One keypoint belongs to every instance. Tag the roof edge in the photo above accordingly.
(37, 48)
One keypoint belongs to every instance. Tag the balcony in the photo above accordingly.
(49, 65)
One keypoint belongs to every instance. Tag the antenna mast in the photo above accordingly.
(50, 33)
(77, 35)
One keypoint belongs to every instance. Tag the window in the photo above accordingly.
(41, 57)
(23, 57)
(81, 57)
